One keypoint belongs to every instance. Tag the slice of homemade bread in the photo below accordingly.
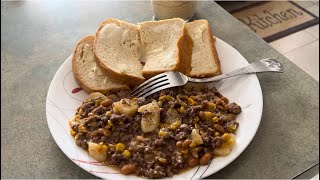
(86, 72)
(162, 43)
(117, 47)
(204, 61)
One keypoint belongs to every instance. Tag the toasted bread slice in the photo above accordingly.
(86, 72)
(162, 42)
(117, 48)
(204, 61)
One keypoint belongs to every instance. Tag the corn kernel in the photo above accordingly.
(231, 128)
(104, 147)
(226, 137)
(183, 104)
(182, 109)
(176, 124)
(216, 134)
(108, 112)
(196, 119)
(215, 119)
(97, 103)
(208, 115)
(161, 98)
(81, 128)
(120, 147)
(231, 142)
(126, 153)
(185, 151)
(195, 152)
(162, 133)
(234, 128)
(211, 105)
(192, 145)
(72, 132)
(165, 98)
(162, 160)
(172, 127)
(111, 145)
(191, 101)
(76, 117)
(80, 111)
(169, 98)
(110, 123)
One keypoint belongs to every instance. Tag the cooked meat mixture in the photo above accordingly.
(159, 136)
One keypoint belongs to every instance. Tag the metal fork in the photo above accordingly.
(174, 79)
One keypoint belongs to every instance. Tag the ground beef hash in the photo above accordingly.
(195, 125)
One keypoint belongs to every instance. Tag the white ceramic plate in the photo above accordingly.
(63, 99)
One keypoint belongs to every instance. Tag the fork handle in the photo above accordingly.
(243, 70)
(264, 65)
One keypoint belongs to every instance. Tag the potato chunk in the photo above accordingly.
(125, 106)
(96, 95)
(195, 137)
(226, 147)
(98, 151)
(172, 116)
(150, 116)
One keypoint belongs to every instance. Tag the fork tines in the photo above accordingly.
(151, 84)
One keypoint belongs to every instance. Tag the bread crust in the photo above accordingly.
(122, 78)
(182, 65)
(186, 53)
(214, 52)
(77, 74)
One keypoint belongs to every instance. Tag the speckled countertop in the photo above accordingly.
(36, 38)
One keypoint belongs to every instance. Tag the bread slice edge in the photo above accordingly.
(216, 60)
(89, 39)
(122, 78)
(182, 65)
